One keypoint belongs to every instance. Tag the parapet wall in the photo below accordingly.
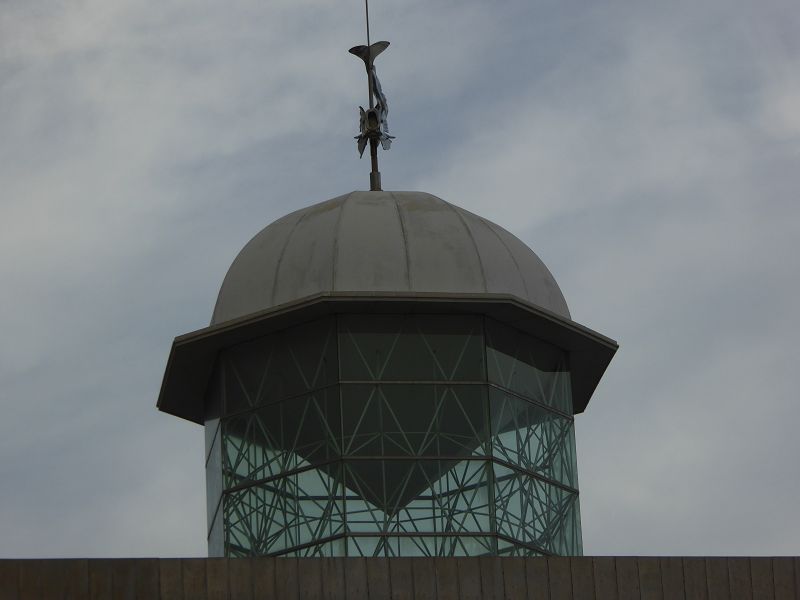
(398, 578)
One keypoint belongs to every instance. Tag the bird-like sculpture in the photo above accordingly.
(373, 122)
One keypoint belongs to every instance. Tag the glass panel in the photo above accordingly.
(411, 546)
(379, 493)
(213, 444)
(411, 348)
(509, 548)
(213, 408)
(528, 366)
(571, 538)
(216, 538)
(366, 546)
(536, 513)
(213, 452)
(463, 498)
(211, 430)
(420, 546)
(332, 548)
(281, 437)
(532, 437)
(287, 512)
(361, 420)
(465, 546)
(251, 373)
(213, 481)
(309, 357)
(419, 515)
(428, 420)
(402, 455)
(280, 365)
(430, 497)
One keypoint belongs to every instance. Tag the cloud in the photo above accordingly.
(656, 189)
(647, 153)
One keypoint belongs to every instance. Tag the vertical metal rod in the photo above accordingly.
(375, 174)
(369, 62)
(366, 6)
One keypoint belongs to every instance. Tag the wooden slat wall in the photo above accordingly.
(582, 578)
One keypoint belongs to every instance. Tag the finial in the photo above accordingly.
(373, 124)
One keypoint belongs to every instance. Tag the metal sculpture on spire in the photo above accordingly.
(373, 123)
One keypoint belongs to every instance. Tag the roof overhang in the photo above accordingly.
(192, 356)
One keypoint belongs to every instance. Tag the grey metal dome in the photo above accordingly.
(405, 242)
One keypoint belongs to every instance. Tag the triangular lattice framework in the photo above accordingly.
(397, 435)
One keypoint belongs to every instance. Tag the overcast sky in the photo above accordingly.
(649, 152)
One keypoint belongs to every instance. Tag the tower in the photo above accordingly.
(387, 374)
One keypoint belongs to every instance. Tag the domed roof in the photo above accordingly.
(404, 242)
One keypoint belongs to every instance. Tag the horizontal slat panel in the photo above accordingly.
(433, 579)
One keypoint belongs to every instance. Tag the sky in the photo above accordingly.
(648, 152)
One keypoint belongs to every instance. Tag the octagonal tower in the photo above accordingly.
(388, 374)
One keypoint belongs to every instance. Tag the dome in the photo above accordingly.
(393, 242)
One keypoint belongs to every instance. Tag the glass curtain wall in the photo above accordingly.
(392, 435)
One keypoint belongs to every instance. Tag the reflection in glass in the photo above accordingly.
(393, 435)
(532, 368)
(278, 366)
(532, 437)
(411, 348)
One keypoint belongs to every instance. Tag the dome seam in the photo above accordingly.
(405, 240)
(289, 259)
(282, 254)
(490, 225)
(337, 231)
(474, 243)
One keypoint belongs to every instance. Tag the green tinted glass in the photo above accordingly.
(530, 367)
(410, 348)
(281, 437)
(279, 366)
(414, 420)
(390, 435)
(534, 438)
(283, 514)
